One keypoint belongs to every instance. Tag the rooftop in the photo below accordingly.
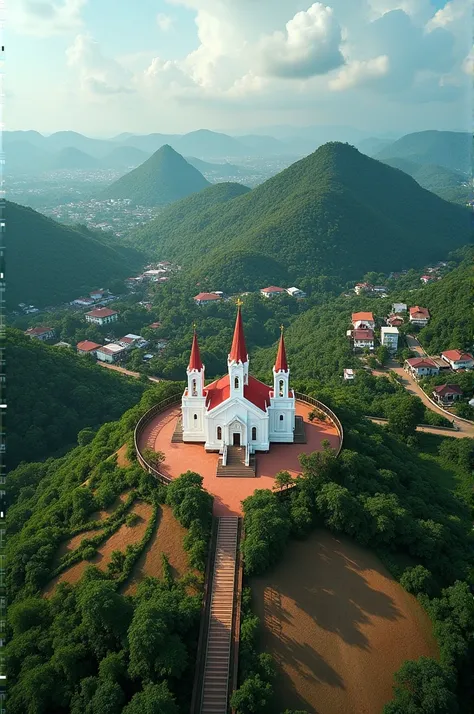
(457, 355)
(443, 389)
(87, 346)
(38, 330)
(102, 312)
(272, 289)
(207, 296)
(417, 362)
(112, 348)
(357, 316)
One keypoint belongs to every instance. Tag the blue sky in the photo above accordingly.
(106, 66)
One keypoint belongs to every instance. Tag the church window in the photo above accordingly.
(194, 389)
(281, 417)
(282, 387)
(236, 383)
(195, 417)
(219, 433)
(254, 433)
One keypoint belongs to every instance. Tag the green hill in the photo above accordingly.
(72, 158)
(163, 178)
(336, 212)
(452, 149)
(446, 183)
(213, 169)
(193, 213)
(49, 263)
(54, 393)
(123, 157)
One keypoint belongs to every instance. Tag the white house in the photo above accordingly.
(363, 320)
(101, 316)
(97, 294)
(110, 352)
(389, 338)
(238, 410)
(40, 333)
(447, 393)
(296, 292)
(206, 298)
(458, 359)
(362, 287)
(419, 316)
(83, 301)
(349, 374)
(132, 340)
(363, 339)
(271, 291)
(399, 307)
(421, 367)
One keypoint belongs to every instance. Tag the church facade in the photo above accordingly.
(237, 409)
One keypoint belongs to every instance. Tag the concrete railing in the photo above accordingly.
(328, 412)
(139, 429)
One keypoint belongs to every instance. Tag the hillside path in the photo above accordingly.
(426, 429)
(116, 368)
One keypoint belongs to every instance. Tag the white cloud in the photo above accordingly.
(452, 12)
(164, 22)
(310, 45)
(360, 72)
(98, 75)
(45, 18)
(468, 64)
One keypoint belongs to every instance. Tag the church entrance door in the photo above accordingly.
(236, 438)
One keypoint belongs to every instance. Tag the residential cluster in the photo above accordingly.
(433, 272)
(155, 273)
(96, 297)
(111, 352)
(363, 326)
(268, 292)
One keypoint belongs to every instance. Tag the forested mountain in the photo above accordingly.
(452, 149)
(224, 169)
(163, 178)
(124, 157)
(446, 183)
(49, 263)
(54, 393)
(71, 158)
(193, 213)
(336, 212)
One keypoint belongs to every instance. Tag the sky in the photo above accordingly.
(103, 67)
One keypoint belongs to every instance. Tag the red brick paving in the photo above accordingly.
(230, 492)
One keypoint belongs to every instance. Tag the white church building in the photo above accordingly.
(238, 410)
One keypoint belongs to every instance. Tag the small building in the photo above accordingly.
(380, 290)
(296, 292)
(271, 291)
(362, 288)
(131, 340)
(395, 320)
(447, 393)
(442, 365)
(87, 347)
(389, 338)
(102, 316)
(40, 333)
(62, 344)
(83, 301)
(97, 294)
(426, 278)
(349, 375)
(111, 353)
(421, 367)
(457, 359)
(419, 316)
(155, 326)
(206, 298)
(399, 307)
(363, 339)
(363, 320)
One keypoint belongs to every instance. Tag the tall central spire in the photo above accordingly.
(281, 364)
(195, 357)
(238, 351)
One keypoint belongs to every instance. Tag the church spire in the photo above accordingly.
(195, 357)
(238, 351)
(281, 364)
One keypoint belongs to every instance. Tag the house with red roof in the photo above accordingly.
(271, 291)
(363, 339)
(419, 316)
(446, 394)
(238, 410)
(87, 347)
(421, 367)
(363, 320)
(206, 298)
(102, 316)
(458, 359)
(40, 333)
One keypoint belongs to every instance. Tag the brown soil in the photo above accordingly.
(339, 627)
(118, 541)
(69, 545)
(122, 459)
(167, 539)
(103, 515)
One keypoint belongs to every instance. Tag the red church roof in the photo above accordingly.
(238, 351)
(255, 391)
(281, 365)
(195, 358)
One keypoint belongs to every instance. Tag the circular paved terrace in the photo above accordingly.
(229, 492)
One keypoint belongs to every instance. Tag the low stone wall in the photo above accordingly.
(139, 429)
(329, 413)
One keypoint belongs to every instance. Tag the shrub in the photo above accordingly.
(417, 580)
(88, 553)
(132, 519)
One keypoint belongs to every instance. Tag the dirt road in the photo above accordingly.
(427, 429)
(116, 368)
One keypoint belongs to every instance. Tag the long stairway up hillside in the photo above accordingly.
(235, 465)
(216, 676)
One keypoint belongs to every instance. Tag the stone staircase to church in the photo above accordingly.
(235, 466)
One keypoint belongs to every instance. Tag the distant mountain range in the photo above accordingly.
(336, 212)
(450, 149)
(448, 184)
(49, 263)
(163, 178)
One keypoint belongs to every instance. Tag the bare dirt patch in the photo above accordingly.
(122, 459)
(118, 541)
(167, 539)
(339, 627)
(107, 512)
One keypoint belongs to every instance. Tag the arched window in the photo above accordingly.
(282, 388)
(194, 388)
(281, 417)
(254, 433)
(219, 433)
(195, 417)
(236, 383)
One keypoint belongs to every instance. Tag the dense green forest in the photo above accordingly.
(451, 149)
(50, 263)
(163, 178)
(89, 648)
(53, 393)
(324, 215)
(451, 185)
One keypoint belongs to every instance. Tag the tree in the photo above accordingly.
(85, 436)
(32, 612)
(417, 580)
(154, 458)
(404, 415)
(153, 699)
(253, 697)
(422, 686)
(283, 479)
(382, 354)
(117, 560)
